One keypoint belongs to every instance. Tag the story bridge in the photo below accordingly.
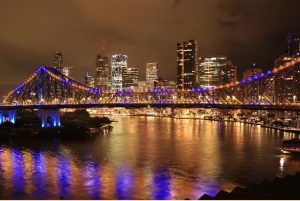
(48, 91)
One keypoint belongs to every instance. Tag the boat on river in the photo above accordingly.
(291, 146)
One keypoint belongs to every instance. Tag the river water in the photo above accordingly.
(145, 158)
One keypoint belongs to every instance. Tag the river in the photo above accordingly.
(145, 158)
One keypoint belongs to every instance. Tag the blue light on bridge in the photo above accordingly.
(269, 72)
(1, 118)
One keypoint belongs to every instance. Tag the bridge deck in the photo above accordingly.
(157, 105)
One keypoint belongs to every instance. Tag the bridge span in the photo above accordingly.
(283, 107)
(49, 90)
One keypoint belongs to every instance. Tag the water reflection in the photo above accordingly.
(161, 185)
(63, 175)
(124, 184)
(146, 158)
(91, 176)
(39, 174)
(17, 169)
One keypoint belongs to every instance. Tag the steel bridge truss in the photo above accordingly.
(48, 86)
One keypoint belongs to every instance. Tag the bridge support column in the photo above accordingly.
(8, 115)
(50, 118)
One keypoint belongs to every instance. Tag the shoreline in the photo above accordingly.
(292, 130)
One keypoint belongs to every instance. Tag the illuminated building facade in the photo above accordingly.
(268, 87)
(186, 64)
(215, 71)
(287, 83)
(163, 83)
(57, 60)
(130, 78)
(151, 74)
(102, 72)
(118, 65)
(89, 80)
(66, 70)
(142, 85)
(293, 41)
(253, 89)
(228, 72)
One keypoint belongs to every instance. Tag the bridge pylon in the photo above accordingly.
(7, 116)
(50, 118)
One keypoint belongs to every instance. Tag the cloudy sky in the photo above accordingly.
(246, 31)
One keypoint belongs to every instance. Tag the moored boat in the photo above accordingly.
(291, 146)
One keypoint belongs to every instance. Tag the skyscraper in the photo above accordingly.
(228, 72)
(151, 74)
(66, 70)
(293, 41)
(186, 64)
(252, 89)
(89, 80)
(215, 71)
(287, 82)
(118, 64)
(130, 78)
(57, 60)
(102, 72)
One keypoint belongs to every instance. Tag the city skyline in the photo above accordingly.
(234, 31)
(149, 100)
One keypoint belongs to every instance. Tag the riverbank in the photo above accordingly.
(287, 129)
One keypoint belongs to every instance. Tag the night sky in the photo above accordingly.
(246, 31)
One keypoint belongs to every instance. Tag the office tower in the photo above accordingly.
(118, 64)
(89, 80)
(142, 85)
(186, 64)
(268, 87)
(214, 71)
(102, 72)
(130, 78)
(228, 72)
(252, 90)
(293, 40)
(57, 60)
(287, 82)
(66, 70)
(163, 83)
(151, 74)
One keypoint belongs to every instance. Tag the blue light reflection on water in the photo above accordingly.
(124, 184)
(93, 182)
(55, 168)
(162, 185)
(63, 175)
(39, 175)
(18, 174)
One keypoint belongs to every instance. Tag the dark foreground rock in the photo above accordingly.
(280, 188)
